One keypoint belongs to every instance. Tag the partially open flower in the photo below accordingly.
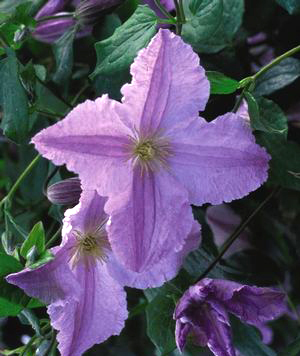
(203, 312)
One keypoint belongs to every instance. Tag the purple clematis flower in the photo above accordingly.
(203, 311)
(84, 283)
(153, 156)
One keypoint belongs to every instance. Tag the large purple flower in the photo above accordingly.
(84, 283)
(203, 311)
(153, 156)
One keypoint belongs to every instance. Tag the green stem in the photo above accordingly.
(53, 238)
(182, 11)
(240, 98)
(276, 61)
(54, 17)
(178, 18)
(49, 114)
(20, 179)
(237, 233)
(28, 345)
(164, 11)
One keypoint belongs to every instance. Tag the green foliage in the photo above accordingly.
(285, 164)
(35, 238)
(266, 116)
(116, 53)
(212, 25)
(13, 100)
(63, 52)
(221, 84)
(292, 6)
(293, 349)
(278, 77)
(248, 341)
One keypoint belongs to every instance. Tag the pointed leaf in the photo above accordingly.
(35, 238)
(221, 84)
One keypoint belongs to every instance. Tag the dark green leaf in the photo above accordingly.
(35, 238)
(14, 100)
(253, 110)
(45, 257)
(272, 119)
(278, 77)
(12, 299)
(220, 84)
(116, 53)
(63, 52)
(202, 20)
(248, 341)
(28, 317)
(285, 164)
(292, 6)
(293, 349)
(160, 323)
(218, 24)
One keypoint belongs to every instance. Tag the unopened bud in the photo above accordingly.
(51, 30)
(65, 192)
(9, 242)
(87, 11)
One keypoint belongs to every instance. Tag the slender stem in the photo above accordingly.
(82, 90)
(28, 345)
(182, 11)
(20, 179)
(49, 114)
(276, 61)
(178, 17)
(54, 17)
(53, 238)
(237, 233)
(164, 11)
(240, 98)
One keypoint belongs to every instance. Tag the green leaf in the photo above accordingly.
(27, 317)
(253, 111)
(293, 349)
(116, 53)
(63, 52)
(226, 17)
(292, 6)
(160, 323)
(14, 352)
(278, 77)
(247, 340)
(284, 165)
(12, 299)
(14, 100)
(272, 119)
(35, 238)
(45, 257)
(202, 20)
(221, 84)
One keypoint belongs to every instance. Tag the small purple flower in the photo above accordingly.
(203, 311)
(223, 221)
(153, 156)
(84, 282)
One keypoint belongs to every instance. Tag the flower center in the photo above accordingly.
(149, 153)
(145, 151)
(90, 247)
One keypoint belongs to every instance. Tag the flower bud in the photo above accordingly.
(51, 30)
(51, 7)
(87, 11)
(65, 192)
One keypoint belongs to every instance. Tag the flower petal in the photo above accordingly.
(149, 221)
(256, 305)
(162, 271)
(50, 282)
(219, 334)
(217, 161)
(51, 7)
(92, 141)
(223, 221)
(182, 331)
(164, 89)
(100, 312)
